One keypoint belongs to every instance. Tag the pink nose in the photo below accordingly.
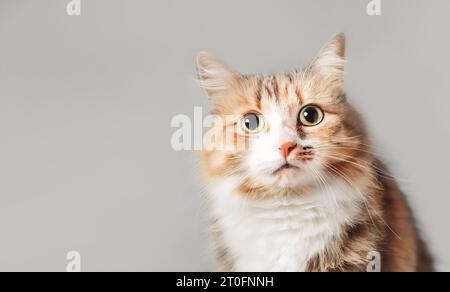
(287, 148)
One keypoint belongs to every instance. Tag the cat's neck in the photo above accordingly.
(283, 232)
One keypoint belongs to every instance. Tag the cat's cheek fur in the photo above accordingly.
(282, 233)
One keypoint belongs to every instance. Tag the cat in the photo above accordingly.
(300, 188)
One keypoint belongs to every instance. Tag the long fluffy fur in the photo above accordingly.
(340, 205)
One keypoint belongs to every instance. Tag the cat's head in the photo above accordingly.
(285, 130)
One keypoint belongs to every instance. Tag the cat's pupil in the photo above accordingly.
(311, 115)
(252, 122)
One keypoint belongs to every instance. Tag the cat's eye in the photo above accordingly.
(311, 115)
(252, 123)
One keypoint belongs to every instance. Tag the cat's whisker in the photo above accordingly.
(350, 148)
(339, 173)
(379, 171)
(367, 167)
(326, 184)
(379, 216)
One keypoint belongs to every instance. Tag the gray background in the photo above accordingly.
(86, 103)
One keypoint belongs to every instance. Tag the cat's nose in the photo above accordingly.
(287, 148)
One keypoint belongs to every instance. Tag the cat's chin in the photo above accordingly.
(291, 177)
(287, 170)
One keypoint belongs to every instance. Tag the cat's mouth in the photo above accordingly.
(285, 168)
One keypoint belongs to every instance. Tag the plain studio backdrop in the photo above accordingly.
(86, 104)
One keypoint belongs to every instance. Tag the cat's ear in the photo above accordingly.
(328, 67)
(216, 77)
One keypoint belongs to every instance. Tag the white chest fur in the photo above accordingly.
(281, 234)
